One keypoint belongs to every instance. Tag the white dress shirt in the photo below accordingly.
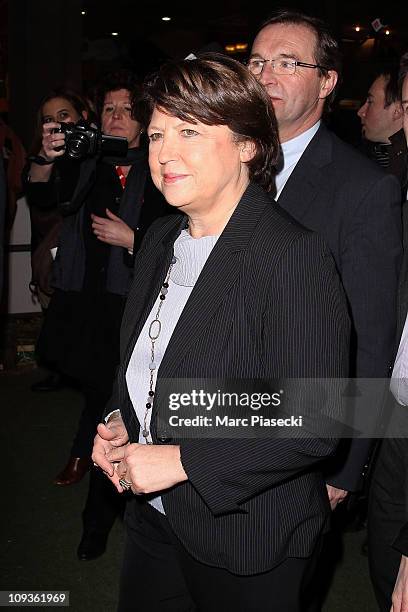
(399, 378)
(292, 151)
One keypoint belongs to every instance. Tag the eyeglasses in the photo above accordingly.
(279, 66)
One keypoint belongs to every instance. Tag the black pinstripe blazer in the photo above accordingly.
(268, 303)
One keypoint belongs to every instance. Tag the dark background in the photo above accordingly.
(44, 43)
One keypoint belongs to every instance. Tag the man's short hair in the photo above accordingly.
(403, 72)
(392, 91)
(326, 51)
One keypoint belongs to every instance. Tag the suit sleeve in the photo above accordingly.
(305, 320)
(113, 404)
(401, 542)
(59, 188)
(371, 261)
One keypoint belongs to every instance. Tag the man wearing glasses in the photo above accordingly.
(332, 189)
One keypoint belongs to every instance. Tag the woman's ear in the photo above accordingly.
(247, 150)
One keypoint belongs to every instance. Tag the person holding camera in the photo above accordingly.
(64, 106)
(108, 201)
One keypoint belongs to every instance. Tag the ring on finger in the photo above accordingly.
(125, 484)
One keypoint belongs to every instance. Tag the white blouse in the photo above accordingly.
(191, 255)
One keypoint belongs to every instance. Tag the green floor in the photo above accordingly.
(41, 523)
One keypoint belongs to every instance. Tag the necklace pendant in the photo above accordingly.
(154, 329)
(145, 433)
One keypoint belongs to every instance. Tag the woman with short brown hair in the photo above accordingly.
(234, 289)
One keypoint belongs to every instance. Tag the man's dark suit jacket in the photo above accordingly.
(356, 208)
(267, 304)
(388, 510)
(393, 457)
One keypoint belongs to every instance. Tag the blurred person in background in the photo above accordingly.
(388, 503)
(107, 202)
(3, 195)
(381, 124)
(58, 106)
(13, 154)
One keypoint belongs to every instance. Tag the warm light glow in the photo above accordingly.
(238, 47)
(387, 32)
(166, 18)
(357, 28)
(115, 33)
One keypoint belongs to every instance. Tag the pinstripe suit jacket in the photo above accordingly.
(267, 304)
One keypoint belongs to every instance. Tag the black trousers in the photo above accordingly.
(95, 402)
(103, 503)
(159, 575)
(387, 513)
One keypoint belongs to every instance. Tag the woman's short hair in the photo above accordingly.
(217, 90)
(113, 81)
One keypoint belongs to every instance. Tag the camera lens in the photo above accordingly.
(78, 146)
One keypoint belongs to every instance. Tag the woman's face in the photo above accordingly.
(60, 110)
(196, 166)
(117, 117)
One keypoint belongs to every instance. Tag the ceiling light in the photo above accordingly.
(115, 33)
(357, 28)
(387, 32)
(166, 18)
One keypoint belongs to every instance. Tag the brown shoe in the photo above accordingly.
(74, 471)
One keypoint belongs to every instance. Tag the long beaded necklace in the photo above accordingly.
(154, 333)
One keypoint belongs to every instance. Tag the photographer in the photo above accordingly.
(107, 202)
(64, 106)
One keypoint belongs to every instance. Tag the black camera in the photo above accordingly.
(84, 140)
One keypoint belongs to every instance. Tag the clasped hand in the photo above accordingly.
(149, 468)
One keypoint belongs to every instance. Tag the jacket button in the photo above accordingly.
(164, 439)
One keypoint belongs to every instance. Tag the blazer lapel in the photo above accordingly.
(307, 179)
(217, 277)
(403, 280)
(215, 280)
(156, 259)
